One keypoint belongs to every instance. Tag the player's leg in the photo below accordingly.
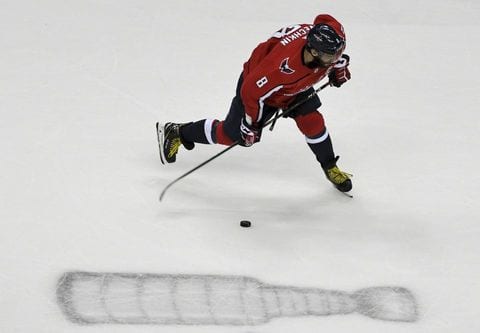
(171, 136)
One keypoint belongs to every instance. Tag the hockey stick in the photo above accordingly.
(282, 114)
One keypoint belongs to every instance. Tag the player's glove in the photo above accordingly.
(340, 73)
(249, 132)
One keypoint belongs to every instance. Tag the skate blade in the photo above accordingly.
(161, 139)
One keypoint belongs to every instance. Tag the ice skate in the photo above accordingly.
(341, 180)
(169, 141)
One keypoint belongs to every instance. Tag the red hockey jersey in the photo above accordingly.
(275, 72)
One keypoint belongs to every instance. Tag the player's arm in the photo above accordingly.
(257, 87)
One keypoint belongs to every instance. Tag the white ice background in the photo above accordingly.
(82, 84)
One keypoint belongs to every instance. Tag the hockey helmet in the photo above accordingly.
(325, 43)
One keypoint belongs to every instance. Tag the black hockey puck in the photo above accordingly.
(245, 224)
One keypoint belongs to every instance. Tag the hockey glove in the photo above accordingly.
(249, 132)
(340, 73)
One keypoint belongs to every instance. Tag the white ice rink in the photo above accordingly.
(82, 84)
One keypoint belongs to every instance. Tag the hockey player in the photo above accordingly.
(280, 72)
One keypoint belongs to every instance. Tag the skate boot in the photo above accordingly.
(341, 180)
(169, 141)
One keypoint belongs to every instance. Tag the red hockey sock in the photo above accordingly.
(221, 136)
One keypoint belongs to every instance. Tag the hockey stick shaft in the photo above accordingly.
(196, 168)
(282, 114)
(291, 108)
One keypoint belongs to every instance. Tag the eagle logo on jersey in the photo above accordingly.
(285, 68)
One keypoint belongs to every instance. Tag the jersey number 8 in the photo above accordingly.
(263, 81)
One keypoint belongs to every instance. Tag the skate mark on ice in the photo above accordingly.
(165, 299)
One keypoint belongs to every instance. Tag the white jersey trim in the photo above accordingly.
(261, 101)
(208, 130)
(317, 140)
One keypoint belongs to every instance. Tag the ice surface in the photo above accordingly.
(83, 83)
